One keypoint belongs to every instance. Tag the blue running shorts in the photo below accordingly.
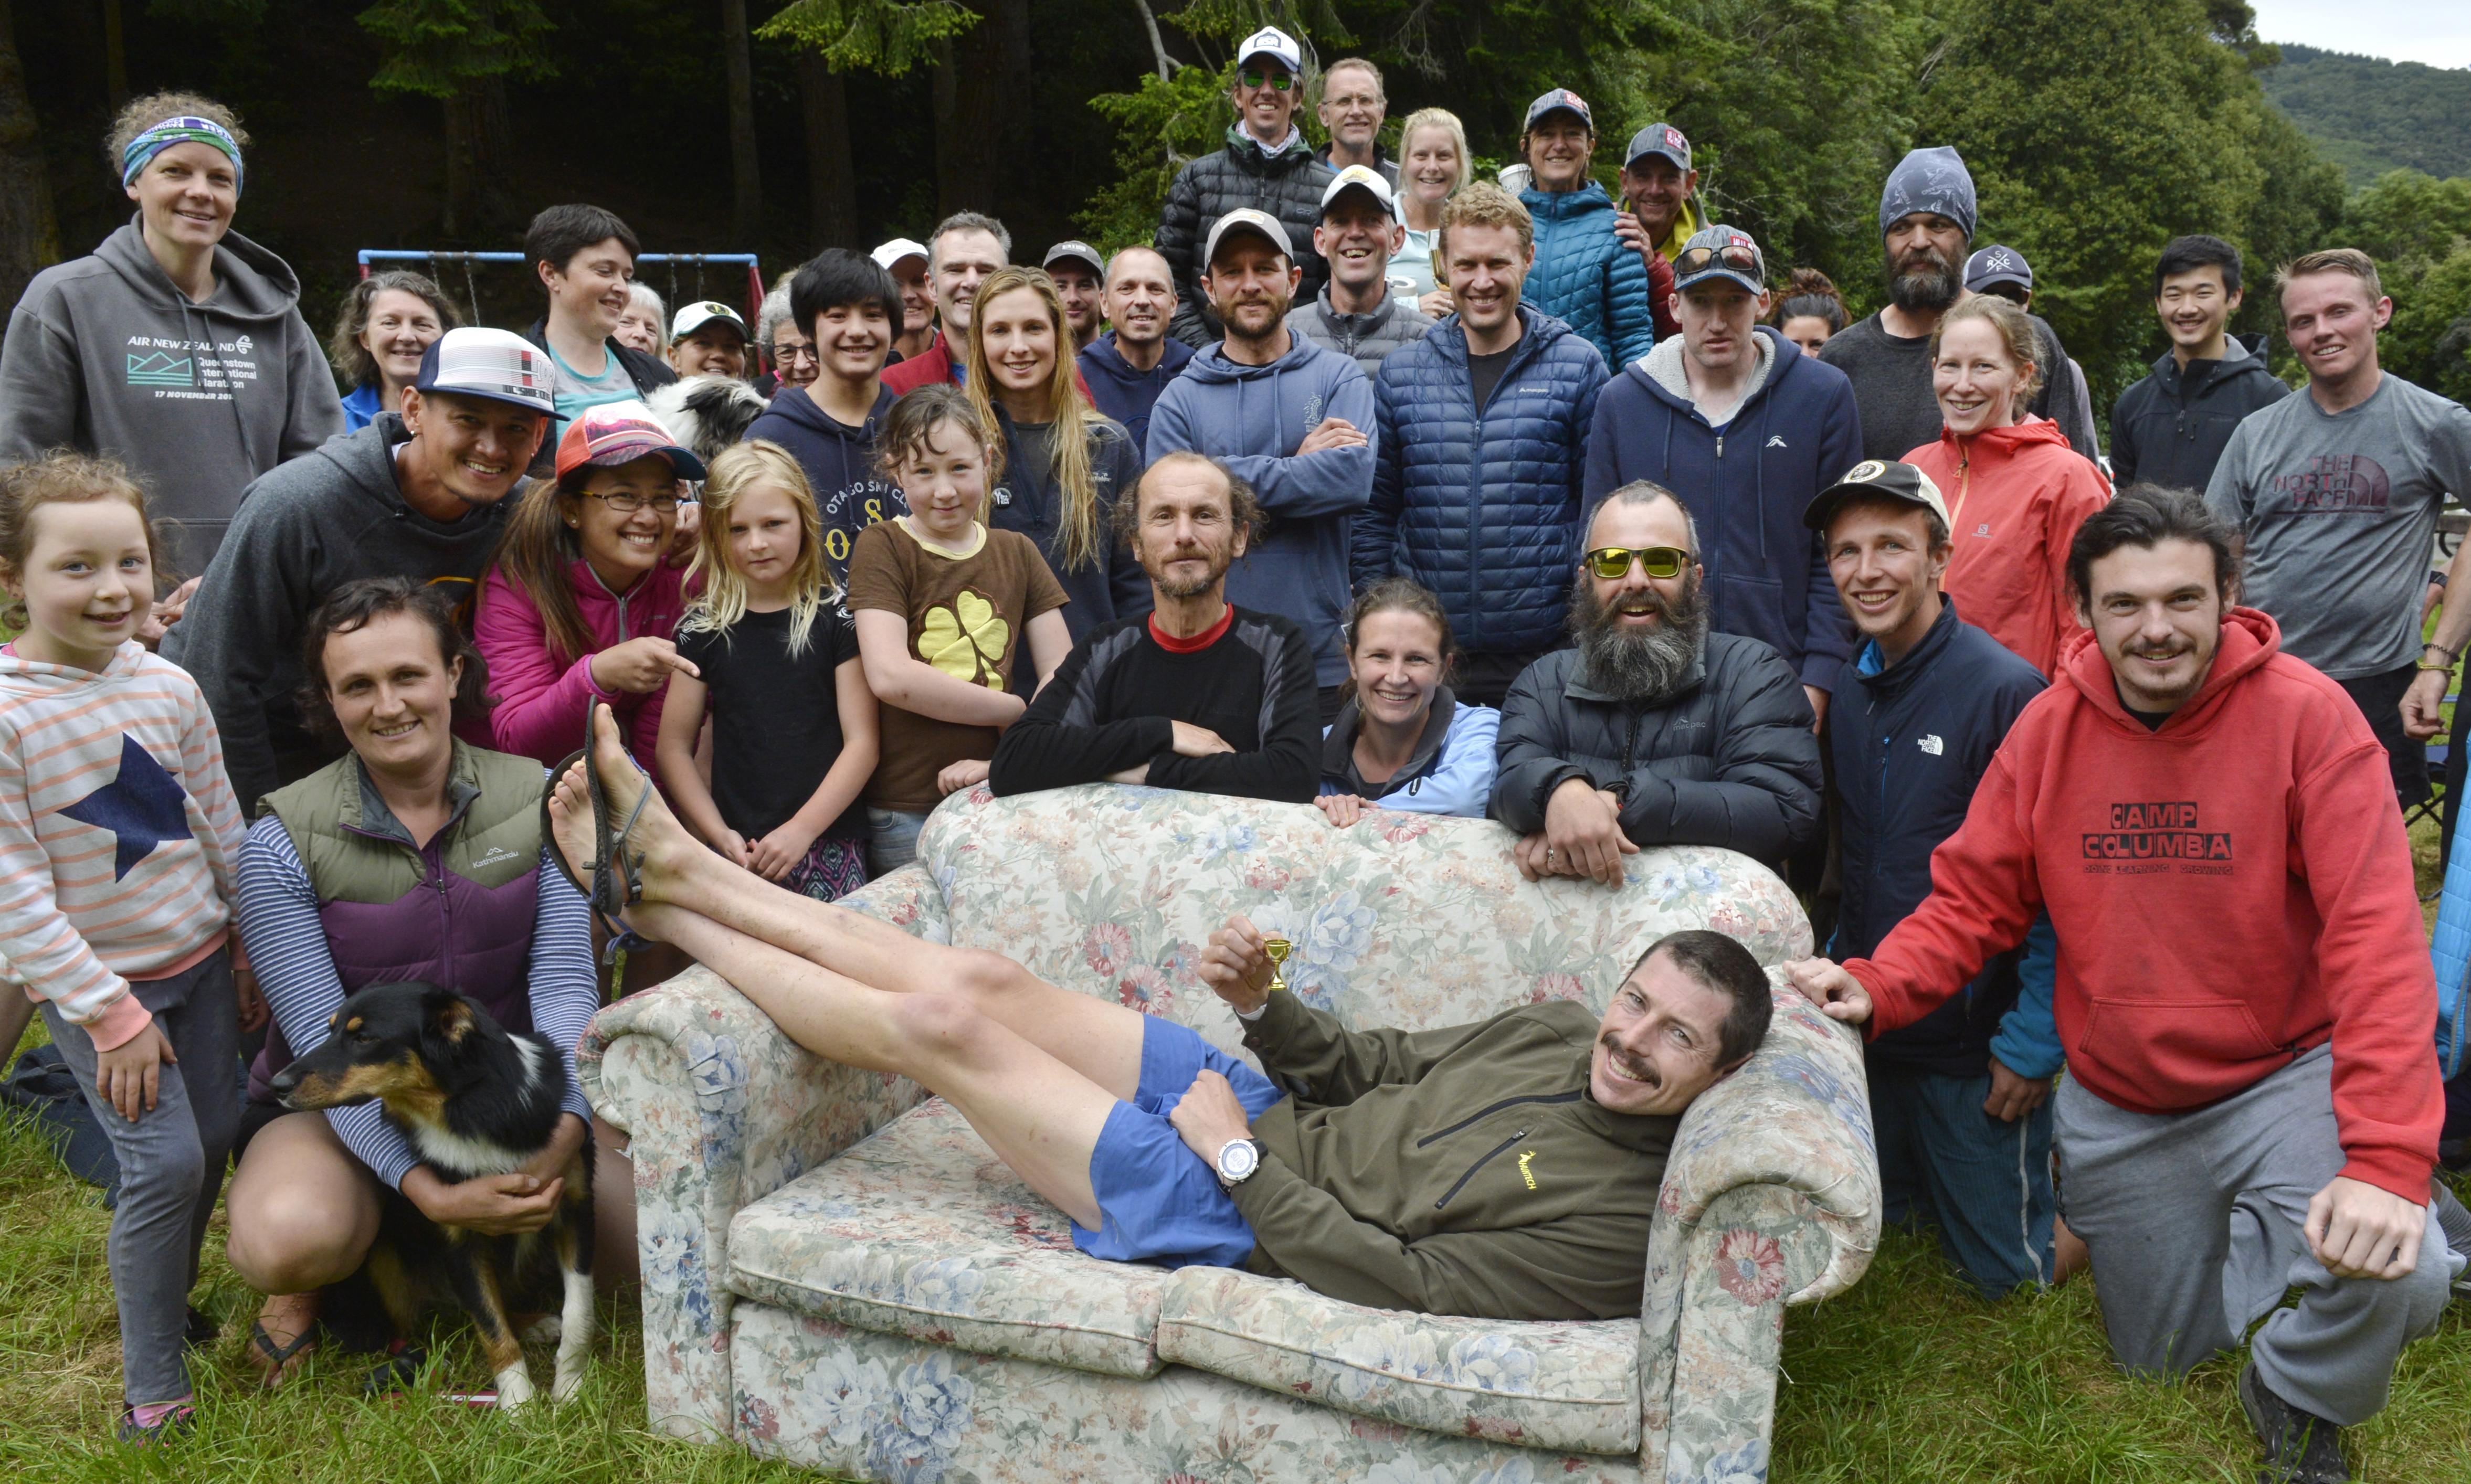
(1158, 1201)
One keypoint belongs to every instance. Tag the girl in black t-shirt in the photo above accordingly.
(794, 724)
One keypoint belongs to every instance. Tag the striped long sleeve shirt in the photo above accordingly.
(118, 833)
(297, 971)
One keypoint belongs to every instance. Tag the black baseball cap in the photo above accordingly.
(1879, 478)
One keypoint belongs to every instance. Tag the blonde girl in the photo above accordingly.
(1064, 464)
(776, 665)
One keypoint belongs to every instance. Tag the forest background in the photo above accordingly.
(2095, 131)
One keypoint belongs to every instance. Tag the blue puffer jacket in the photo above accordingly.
(1584, 276)
(1484, 510)
(2451, 949)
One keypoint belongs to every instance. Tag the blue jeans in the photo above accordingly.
(892, 839)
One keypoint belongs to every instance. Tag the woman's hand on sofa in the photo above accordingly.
(1343, 809)
(1234, 966)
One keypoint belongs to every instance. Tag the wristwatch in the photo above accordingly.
(1238, 1161)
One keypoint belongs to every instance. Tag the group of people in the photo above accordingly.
(1367, 484)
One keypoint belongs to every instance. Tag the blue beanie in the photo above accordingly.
(1928, 180)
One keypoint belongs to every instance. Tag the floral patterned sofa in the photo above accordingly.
(839, 1273)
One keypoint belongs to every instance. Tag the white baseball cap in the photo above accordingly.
(1360, 177)
(1272, 43)
(703, 312)
(472, 361)
(895, 251)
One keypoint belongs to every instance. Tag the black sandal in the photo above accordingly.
(615, 883)
(278, 1357)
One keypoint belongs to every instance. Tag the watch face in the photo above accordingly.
(1238, 1160)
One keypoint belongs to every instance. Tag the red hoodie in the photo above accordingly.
(2229, 891)
(2015, 497)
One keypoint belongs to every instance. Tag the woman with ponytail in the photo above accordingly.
(1064, 464)
(1810, 310)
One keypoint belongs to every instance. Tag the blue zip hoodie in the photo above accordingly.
(1910, 741)
(1450, 773)
(1586, 276)
(1123, 393)
(839, 462)
(1251, 418)
(1745, 484)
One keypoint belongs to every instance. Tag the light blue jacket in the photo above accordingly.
(1586, 276)
(2451, 951)
(1450, 774)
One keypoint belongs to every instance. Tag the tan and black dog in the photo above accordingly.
(474, 1099)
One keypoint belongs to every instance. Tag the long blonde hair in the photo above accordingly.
(1080, 539)
(734, 472)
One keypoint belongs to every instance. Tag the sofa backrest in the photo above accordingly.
(1400, 920)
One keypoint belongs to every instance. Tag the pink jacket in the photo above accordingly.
(541, 703)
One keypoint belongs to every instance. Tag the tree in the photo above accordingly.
(885, 37)
(30, 236)
(745, 185)
(462, 53)
(2090, 157)
(2419, 232)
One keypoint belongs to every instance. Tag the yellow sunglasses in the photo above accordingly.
(1662, 562)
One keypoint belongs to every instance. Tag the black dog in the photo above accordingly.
(474, 1100)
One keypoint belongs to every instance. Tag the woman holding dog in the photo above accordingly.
(413, 858)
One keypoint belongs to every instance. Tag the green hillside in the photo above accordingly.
(2370, 115)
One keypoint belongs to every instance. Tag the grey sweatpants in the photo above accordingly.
(170, 1167)
(2197, 1222)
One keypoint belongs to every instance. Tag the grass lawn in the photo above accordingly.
(1906, 1378)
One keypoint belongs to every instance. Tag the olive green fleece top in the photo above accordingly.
(1465, 1170)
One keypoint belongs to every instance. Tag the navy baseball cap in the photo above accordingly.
(1559, 100)
(1995, 264)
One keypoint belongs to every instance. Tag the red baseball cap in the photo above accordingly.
(616, 433)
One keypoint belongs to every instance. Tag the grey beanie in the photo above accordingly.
(1928, 180)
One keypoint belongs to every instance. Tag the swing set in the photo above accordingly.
(370, 257)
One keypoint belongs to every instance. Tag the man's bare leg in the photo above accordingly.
(1100, 1040)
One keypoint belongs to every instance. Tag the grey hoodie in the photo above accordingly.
(304, 531)
(104, 355)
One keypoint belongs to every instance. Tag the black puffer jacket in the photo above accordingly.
(2170, 428)
(1288, 185)
(1728, 760)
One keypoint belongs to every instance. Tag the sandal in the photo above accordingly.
(276, 1361)
(398, 1373)
(615, 883)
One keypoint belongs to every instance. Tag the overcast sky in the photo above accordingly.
(2435, 31)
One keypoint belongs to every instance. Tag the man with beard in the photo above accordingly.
(1127, 367)
(1926, 218)
(1197, 694)
(1293, 421)
(1960, 1098)
(1652, 731)
(2244, 984)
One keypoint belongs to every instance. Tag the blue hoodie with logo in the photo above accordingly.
(1252, 418)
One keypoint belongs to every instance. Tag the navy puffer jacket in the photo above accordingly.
(1483, 509)
(1583, 273)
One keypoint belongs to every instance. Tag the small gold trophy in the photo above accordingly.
(1278, 949)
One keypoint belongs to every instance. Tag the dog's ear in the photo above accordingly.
(450, 1017)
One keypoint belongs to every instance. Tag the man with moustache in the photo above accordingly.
(2244, 984)
(1196, 694)
(419, 494)
(965, 250)
(851, 308)
(1652, 731)
(1960, 1100)
(1293, 421)
(1127, 367)
(1926, 220)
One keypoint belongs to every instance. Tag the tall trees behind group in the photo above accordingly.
(2096, 130)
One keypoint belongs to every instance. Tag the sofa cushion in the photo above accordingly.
(1567, 1385)
(921, 1230)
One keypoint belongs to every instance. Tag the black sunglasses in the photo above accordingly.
(1740, 259)
(1275, 82)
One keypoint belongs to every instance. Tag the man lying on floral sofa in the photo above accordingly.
(1504, 1169)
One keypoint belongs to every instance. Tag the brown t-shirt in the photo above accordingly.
(967, 616)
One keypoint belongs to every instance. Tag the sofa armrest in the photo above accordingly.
(1771, 1197)
(722, 1110)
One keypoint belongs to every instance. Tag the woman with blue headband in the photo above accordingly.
(177, 346)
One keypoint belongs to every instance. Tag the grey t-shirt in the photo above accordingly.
(2338, 509)
(1892, 389)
